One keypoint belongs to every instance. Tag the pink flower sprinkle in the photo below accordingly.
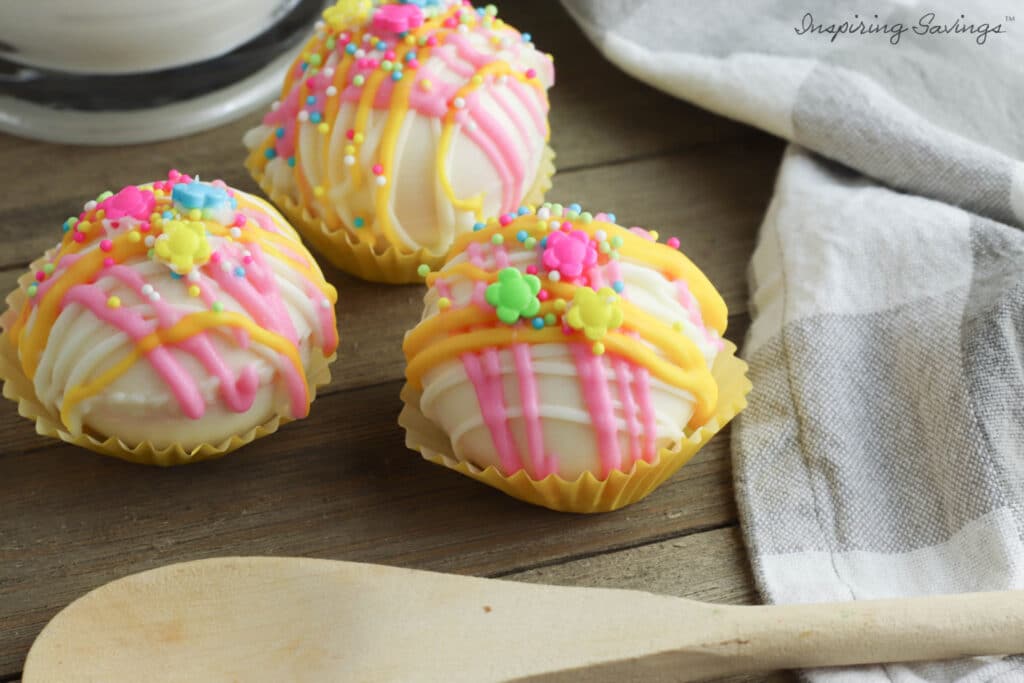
(131, 201)
(106, 245)
(173, 175)
(397, 18)
(672, 242)
(569, 253)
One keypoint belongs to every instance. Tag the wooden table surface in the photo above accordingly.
(341, 484)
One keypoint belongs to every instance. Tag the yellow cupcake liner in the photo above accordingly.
(377, 261)
(18, 387)
(587, 494)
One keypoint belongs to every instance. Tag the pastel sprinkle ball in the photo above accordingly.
(672, 242)
(444, 303)
(217, 307)
(423, 270)
(114, 302)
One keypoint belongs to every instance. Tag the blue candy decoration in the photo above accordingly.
(200, 195)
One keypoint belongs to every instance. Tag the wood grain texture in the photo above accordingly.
(341, 484)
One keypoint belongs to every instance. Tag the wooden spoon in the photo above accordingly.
(294, 619)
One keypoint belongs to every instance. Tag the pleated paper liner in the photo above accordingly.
(587, 493)
(376, 262)
(18, 388)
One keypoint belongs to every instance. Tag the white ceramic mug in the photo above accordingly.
(129, 36)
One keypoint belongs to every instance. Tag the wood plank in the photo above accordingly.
(338, 485)
(710, 566)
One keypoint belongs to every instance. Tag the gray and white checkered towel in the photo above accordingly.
(882, 453)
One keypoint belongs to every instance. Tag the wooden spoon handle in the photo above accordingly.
(913, 629)
(752, 639)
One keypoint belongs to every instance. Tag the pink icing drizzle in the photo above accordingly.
(689, 302)
(594, 383)
(623, 374)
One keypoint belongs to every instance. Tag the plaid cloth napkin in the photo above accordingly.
(882, 453)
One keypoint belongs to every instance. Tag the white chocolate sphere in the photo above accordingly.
(188, 329)
(409, 163)
(542, 395)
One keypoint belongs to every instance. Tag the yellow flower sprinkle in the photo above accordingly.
(595, 312)
(183, 245)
